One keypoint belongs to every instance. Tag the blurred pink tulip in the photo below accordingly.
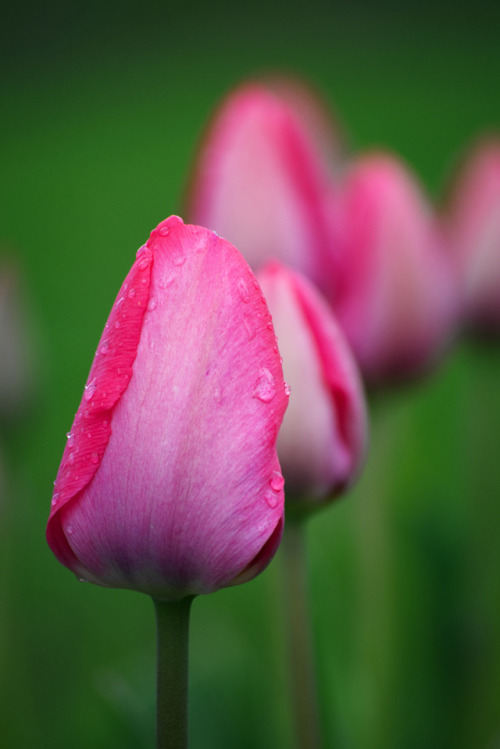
(395, 295)
(262, 179)
(323, 439)
(169, 480)
(16, 343)
(472, 218)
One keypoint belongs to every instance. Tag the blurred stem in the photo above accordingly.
(172, 626)
(297, 624)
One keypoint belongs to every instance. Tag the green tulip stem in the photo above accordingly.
(172, 625)
(303, 689)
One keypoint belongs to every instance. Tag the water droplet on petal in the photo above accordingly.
(71, 439)
(277, 481)
(145, 262)
(217, 394)
(166, 281)
(90, 390)
(243, 290)
(104, 347)
(94, 458)
(265, 387)
(71, 458)
(82, 580)
(117, 324)
(131, 293)
(179, 259)
(55, 498)
(152, 304)
(164, 231)
(287, 389)
(249, 326)
(70, 530)
(271, 499)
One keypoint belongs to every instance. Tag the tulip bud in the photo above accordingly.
(473, 222)
(396, 294)
(262, 181)
(323, 438)
(16, 381)
(168, 481)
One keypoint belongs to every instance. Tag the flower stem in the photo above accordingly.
(172, 626)
(300, 651)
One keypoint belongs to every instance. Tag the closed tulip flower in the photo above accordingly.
(396, 292)
(473, 221)
(323, 438)
(169, 481)
(262, 179)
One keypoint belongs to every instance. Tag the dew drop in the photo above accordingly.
(277, 481)
(287, 389)
(217, 394)
(249, 326)
(71, 439)
(125, 287)
(131, 293)
(90, 390)
(265, 388)
(104, 347)
(164, 231)
(55, 498)
(71, 458)
(271, 499)
(94, 458)
(152, 304)
(82, 580)
(179, 260)
(167, 281)
(145, 262)
(243, 291)
(117, 324)
(70, 530)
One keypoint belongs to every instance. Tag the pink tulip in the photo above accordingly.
(322, 442)
(169, 480)
(395, 295)
(473, 222)
(16, 343)
(262, 179)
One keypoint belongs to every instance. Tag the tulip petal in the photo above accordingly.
(473, 222)
(182, 501)
(323, 439)
(261, 181)
(396, 297)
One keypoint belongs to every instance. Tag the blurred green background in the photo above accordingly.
(103, 104)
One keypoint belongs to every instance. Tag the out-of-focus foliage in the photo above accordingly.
(102, 108)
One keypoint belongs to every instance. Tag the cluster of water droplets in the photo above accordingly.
(276, 483)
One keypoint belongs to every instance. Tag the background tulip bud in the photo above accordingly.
(396, 294)
(323, 438)
(168, 481)
(16, 343)
(262, 181)
(473, 222)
